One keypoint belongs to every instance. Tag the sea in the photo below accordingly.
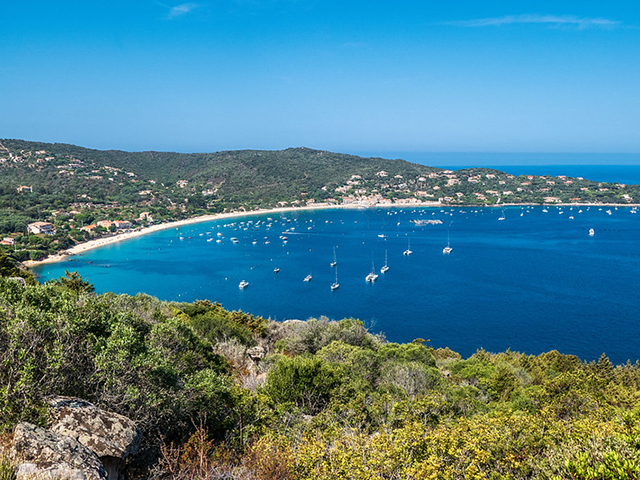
(526, 278)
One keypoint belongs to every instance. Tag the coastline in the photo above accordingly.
(101, 242)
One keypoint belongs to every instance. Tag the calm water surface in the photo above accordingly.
(533, 282)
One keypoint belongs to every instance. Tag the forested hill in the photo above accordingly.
(299, 167)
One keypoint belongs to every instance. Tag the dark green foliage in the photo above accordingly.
(9, 268)
(125, 354)
(306, 382)
(74, 282)
(408, 352)
(214, 323)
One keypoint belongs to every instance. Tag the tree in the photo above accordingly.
(73, 281)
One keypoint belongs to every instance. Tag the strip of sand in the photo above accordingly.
(101, 242)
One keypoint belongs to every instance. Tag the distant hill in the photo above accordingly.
(254, 174)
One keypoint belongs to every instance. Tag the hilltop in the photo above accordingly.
(80, 193)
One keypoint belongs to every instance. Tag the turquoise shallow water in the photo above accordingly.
(533, 282)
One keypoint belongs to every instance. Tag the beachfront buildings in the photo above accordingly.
(41, 227)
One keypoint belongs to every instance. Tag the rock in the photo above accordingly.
(41, 454)
(111, 436)
(256, 353)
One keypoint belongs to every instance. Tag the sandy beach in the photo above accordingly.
(101, 242)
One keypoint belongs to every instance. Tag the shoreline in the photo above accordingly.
(101, 242)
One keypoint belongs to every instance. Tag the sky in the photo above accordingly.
(351, 76)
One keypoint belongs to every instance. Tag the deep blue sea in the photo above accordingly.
(533, 282)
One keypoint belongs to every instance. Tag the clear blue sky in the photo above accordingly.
(347, 76)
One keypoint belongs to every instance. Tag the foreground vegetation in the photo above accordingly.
(328, 400)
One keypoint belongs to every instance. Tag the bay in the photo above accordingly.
(533, 282)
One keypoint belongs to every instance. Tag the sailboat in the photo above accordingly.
(335, 285)
(243, 284)
(592, 232)
(371, 277)
(385, 267)
(447, 250)
(307, 278)
(335, 261)
(502, 217)
(408, 251)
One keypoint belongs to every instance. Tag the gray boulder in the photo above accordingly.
(41, 454)
(256, 353)
(111, 436)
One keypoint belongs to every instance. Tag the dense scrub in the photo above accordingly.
(329, 400)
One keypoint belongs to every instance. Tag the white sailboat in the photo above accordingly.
(447, 250)
(335, 260)
(372, 276)
(335, 285)
(243, 284)
(385, 267)
(592, 232)
(408, 251)
(307, 278)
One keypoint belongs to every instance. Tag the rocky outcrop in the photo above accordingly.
(256, 353)
(83, 443)
(111, 436)
(42, 454)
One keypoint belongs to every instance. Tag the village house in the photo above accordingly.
(146, 216)
(25, 188)
(122, 224)
(41, 227)
(89, 228)
(7, 241)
